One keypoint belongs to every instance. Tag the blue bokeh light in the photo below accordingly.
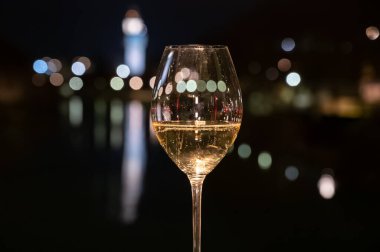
(40, 66)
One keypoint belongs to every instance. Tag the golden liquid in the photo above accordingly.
(196, 147)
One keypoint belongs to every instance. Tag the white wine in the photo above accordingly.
(198, 146)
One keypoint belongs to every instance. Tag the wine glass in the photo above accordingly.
(196, 112)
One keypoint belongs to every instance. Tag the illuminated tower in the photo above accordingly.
(135, 42)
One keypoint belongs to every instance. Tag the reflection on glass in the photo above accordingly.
(133, 166)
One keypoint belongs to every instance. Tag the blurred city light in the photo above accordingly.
(372, 32)
(178, 77)
(181, 87)
(370, 92)
(56, 79)
(168, 88)
(39, 80)
(222, 87)
(117, 83)
(134, 161)
(194, 75)
(326, 186)
(201, 85)
(303, 99)
(40, 66)
(65, 90)
(136, 83)
(135, 42)
(211, 86)
(288, 44)
(85, 61)
(185, 72)
(76, 83)
(244, 151)
(291, 173)
(117, 116)
(264, 160)
(100, 129)
(271, 73)
(54, 65)
(191, 86)
(152, 81)
(293, 79)
(284, 65)
(78, 68)
(123, 71)
(75, 111)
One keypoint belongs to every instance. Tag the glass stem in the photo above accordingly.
(196, 190)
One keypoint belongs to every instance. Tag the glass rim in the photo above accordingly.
(196, 46)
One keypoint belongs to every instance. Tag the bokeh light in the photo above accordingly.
(181, 87)
(78, 68)
(293, 79)
(244, 151)
(65, 90)
(76, 83)
(191, 86)
(291, 173)
(85, 61)
(54, 65)
(284, 65)
(288, 44)
(271, 73)
(123, 71)
(152, 81)
(40, 66)
(264, 160)
(136, 83)
(117, 83)
(56, 79)
(185, 72)
(211, 86)
(372, 32)
(168, 88)
(178, 77)
(326, 186)
(39, 80)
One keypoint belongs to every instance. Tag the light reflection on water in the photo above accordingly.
(134, 161)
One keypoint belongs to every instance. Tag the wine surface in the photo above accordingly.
(198, 146)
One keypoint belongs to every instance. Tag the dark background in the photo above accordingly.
(58, 192)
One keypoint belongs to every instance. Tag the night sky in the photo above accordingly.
(93, 28)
